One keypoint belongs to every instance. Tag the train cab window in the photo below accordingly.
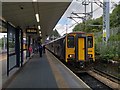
(70, 41)
(90, 42)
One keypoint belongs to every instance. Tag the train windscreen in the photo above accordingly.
(70, 41)
(90, 41)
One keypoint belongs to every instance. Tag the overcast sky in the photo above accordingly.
(76, 6)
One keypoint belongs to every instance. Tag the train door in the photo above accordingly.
(81, 47)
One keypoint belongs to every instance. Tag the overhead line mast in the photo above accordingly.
(106, 20)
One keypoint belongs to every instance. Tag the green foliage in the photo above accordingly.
(108, 52)
(97, 50)
(118, 51)
(111, 50)
(1, 42)
(88, 25)
(79, 27)
(115, 17)
(99, 39)
(115, 37)
(12, 44)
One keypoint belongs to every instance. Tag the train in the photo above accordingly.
(75, 47)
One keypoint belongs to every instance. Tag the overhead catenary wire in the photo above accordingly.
(89, 14)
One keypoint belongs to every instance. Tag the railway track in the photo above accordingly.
(108, 80)
(92, 82)
(109, 76)
(93, 78)
(96, 79)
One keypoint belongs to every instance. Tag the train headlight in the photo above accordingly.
(90, 55)
(71, 56)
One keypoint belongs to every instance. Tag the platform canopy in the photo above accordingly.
(23, 14)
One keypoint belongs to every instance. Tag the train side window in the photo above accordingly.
(70, 41)
(90, 41)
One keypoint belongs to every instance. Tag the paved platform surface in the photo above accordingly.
(65, 78)
(46, 72)
(35, 74)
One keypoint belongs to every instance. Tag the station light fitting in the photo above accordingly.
(34, 0)
(39, 27)
(40, 34)
(37, 17)
(39, 31)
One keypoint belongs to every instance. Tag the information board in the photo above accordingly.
(31, 31)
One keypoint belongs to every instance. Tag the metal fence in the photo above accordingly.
(114, 31)
(111, 46)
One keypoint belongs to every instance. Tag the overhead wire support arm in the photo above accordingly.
(77, 17)
(100, 5)
(80, 13)
(73, 19)
(100, 1)
(95, 25)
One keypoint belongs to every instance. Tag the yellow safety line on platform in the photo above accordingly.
(71, 72)
(59, 79)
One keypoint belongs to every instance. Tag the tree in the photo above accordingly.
(88, 26)
(115, 17)
(79, 27)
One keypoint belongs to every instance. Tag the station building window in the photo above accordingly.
(3, 46)
(11, 46)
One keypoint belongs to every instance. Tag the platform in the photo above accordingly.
(46, 72)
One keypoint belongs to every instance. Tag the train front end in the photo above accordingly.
(76, 48)
(91, 52)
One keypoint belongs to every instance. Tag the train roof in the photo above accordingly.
(77, 32)
(90, 34)
(56, 39)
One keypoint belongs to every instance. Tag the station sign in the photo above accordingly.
(31, 31)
